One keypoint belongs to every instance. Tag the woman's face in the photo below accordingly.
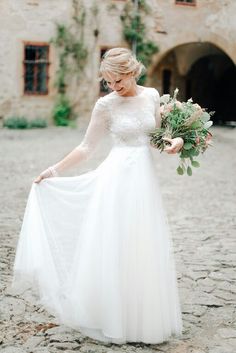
(122, 84)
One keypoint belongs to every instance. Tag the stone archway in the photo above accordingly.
(211, 82)
(200, 70)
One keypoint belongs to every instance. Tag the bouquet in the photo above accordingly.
(187, 120)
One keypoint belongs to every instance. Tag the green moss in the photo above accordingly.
(134, 32)
(19, 122)
(72, 53)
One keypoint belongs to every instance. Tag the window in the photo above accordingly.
(36, 63)
(103, 88)
(186, 2)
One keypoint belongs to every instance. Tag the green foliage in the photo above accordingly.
(134, 31)
(186, 120)
(15, 123)
(195, 164)
(62, 111)
(180, 170)
(69, 42)
(189, 170)
(72, 55)
(37, 123)
(23, 123)
(187, 146)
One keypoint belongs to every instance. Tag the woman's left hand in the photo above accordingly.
(176, 144)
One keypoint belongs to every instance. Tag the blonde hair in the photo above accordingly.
(120, 61)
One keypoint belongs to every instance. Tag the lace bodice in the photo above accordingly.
(127, 119)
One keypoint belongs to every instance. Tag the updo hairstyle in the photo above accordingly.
(120, 61)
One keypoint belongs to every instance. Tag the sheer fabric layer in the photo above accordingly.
(97, 247)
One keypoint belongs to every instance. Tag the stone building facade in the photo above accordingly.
(197, 52)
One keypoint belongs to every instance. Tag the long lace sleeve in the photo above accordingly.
(157, 107)
(96, 130)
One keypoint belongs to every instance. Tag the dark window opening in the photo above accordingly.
(103, 87)
(36, 63)
(166, 81)
(186, 2)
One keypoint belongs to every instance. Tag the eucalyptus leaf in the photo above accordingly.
(205, 117)
(188, 146)
(180, 170)
(208, 124)
(165, 98)
(196, 124)
(195, 164)
(189, 171)
(192, 152)
(184, 154)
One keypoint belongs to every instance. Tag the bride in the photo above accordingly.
(96, 247)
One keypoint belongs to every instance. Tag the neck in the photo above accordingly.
(133, 91)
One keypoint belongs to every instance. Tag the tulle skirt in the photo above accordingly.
(98, 251)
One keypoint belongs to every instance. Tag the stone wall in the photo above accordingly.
(171, 26)
(26, 21)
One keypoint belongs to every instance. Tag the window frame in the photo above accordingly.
(101, 48)
(47, 62)
(185, 3)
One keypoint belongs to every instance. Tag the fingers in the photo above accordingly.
(171, 150)
(167, 139)
(176, 145)
(168, 149)
(47, 173)
(38, 179)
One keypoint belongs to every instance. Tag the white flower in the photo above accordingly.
(197, 106)
(176, 91)
(179, 104)
(208, 124)
(165, 98)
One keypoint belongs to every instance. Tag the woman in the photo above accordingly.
(97, 246)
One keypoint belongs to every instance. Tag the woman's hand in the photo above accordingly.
(208, 139)
(48, 173)
(176, 144)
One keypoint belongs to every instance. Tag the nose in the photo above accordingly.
(114, 85)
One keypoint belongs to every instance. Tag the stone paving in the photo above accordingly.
(202, 216)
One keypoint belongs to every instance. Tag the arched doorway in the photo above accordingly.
(211, 82)
(201, 71)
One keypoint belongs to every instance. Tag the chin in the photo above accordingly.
(121, 92)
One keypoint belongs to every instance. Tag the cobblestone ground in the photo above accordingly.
(202, 215)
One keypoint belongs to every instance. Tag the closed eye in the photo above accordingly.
(109, 83)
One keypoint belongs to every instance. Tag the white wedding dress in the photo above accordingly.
(96, 247)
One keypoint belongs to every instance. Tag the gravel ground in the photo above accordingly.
(202, 216)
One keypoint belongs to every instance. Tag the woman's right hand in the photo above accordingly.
(47, 173)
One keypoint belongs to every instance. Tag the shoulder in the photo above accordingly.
(101, 104)
(153, 92)
(104, 101)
